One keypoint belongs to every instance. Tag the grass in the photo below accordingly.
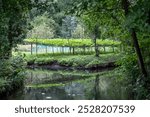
(71, 60)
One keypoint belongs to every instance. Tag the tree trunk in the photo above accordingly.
(96, 31)
(125, 4)
(10, 42)
(96, 48)
(148, 20)
(31, 48)
(138, 52)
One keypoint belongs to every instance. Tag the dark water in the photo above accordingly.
(70, 85)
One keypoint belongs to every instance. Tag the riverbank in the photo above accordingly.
(15, 66)
(68, 62)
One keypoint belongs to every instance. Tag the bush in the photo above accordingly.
(11, 74)
(129, 66)
(135, 82)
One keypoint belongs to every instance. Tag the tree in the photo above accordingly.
(43, 27)
(126, 5)
(69, 24)
(97, 14)
(115, 14)
(13, 14)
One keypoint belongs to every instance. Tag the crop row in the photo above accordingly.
(72, 42)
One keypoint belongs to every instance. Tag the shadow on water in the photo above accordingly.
(67, 85)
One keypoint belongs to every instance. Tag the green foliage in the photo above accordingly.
(107, 14)
(11, 74)
(13, 25)
(69, 24)
(129, 65)
(42, 61)
(63, 24)
(3, 34)
(85, 61)
(72, 42)
(79, 32)
(139, 18)
(136, 83)
(43, 27)
(94, 63)
(118, 17)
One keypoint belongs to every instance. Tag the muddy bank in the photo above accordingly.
(56, 66)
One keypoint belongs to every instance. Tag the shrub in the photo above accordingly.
(11, 74)
(135, 82)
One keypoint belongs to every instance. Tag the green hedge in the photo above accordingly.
(73, 42)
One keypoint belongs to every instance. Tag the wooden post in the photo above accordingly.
(52, 50)
(96, 33)
(46, 48)
(57, 50)
(113, 48)
(104, 49)
(73, 50)
(36, 48)
(83, 49)
(70, 49)
(31, 48)
(31, 76)
(63, 50)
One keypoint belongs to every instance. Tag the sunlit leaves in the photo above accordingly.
(72, 42)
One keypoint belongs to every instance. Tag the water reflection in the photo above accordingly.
(56, 85)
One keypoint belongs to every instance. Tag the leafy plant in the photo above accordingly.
(72, 42)
(11, 74)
